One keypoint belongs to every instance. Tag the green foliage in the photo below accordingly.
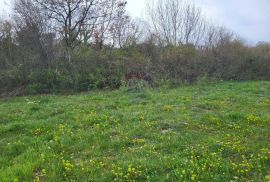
(179, 62)
(213, 132)
(136, 85)
(88, 68)
(35, 88)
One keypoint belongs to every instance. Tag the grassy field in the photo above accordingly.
(218, 132)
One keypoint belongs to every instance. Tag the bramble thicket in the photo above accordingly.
(72, 46)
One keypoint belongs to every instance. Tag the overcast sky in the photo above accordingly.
(248, 18)
(5, 8)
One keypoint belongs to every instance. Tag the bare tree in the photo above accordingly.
(135, 32)
(6, 44)
(33, 29)
(127, 32)
(112, 11)
(118, 29)
(69, 16)
(194, 25)
(176, 21)
(82, 20)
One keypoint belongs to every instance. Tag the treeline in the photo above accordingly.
(58, 46)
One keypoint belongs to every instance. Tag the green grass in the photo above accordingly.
(218, 132)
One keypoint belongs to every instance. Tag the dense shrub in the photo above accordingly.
(105, 68)
(44, 50)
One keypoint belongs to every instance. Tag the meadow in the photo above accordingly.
(213, 132)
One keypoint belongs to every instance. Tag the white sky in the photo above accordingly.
(5, 8)
(249, 18)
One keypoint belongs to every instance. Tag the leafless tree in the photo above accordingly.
(194, 25)
(33, 29)
(112, 11)
(176, 21)
(6, 45)
(69, 16)
(127, 32)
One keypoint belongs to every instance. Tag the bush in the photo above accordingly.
(171, 66)
(35, 88)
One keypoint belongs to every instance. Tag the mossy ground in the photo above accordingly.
(217, 132)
